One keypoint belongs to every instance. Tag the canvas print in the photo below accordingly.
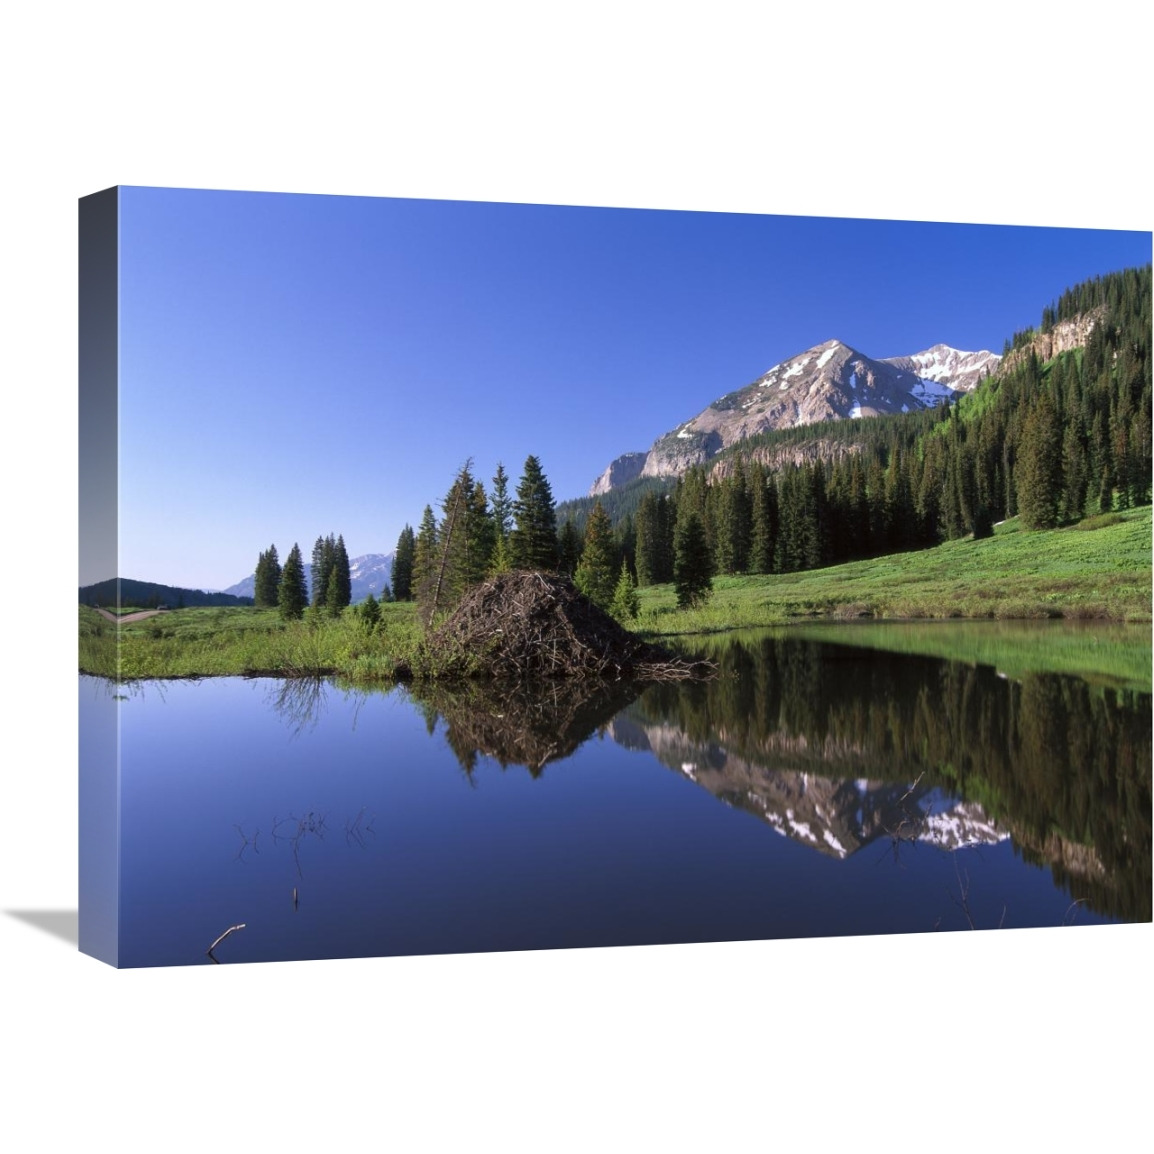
(466, 577)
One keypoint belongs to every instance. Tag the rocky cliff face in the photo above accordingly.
(1064, 336)
(782, 456)
(623, 469)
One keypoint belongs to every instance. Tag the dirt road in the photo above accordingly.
(129, 616)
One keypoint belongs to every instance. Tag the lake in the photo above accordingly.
(823, 784)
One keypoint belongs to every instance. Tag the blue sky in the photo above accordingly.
(294, 365)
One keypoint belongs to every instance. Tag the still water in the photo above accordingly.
(812, 789)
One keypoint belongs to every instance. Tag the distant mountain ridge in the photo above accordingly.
(961, 371)
(151, 595)
(830, 381)
(370, 573)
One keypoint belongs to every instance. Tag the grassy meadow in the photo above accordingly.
(240, 640)
(1096, 572)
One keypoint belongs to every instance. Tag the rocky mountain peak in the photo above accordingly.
(830, 381)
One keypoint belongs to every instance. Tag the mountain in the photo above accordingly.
(370, 573)
(149, 595)
(830, 381)
(962, 372)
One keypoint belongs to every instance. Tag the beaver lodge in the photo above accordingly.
(528, 624)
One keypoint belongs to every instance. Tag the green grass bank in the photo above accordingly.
(1098, 572)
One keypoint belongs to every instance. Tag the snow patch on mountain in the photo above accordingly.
(958, 370)
(824, 359)
(930, 392)
(828, 382)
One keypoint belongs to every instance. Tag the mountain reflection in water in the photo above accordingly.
(823, 742)
(862, 791)
(839, 748)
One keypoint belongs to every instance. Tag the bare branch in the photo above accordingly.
(230, 930)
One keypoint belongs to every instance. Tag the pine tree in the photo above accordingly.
(333, 594)
(654, 539)
(858, 512)
(343, 575)
(1074, 471)
(692, 565)
(533, 540)
(764, 514)
(594, 576)
(502, 505)
(1106, 491)
(482, 536)
(898, 506)
(403, 565)
(625, 541)
(324, 557)
(733, 521)
(293, 595)
(625, 604)
(460, 551)
(424, 556)
(267, 585)
(449, 576)
(1039, 475)
(879, 528)
(647, 539)
(801, 533)
(816, 515)
(501, 561)
(692, 497)
(370, 612)
(569, 546)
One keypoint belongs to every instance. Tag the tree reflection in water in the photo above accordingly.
(1060, 765)
(839, 747)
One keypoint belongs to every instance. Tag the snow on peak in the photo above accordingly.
(946, 365)
(825, 357)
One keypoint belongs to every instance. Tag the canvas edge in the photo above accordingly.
(98, 474)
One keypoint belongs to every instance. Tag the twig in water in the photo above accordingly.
(912, 787)
(246, 842)
(230, 930)
(1067, 920)
(964, 890)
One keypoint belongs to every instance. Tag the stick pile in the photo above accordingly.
(529, 624)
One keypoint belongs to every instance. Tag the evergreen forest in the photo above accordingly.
(1048, 442)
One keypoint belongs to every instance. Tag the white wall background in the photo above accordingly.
(967, 114)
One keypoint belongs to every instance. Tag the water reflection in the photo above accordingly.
(521, 723)
(820, 741)
(298, 702)
(861, 792)
(839, 747)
